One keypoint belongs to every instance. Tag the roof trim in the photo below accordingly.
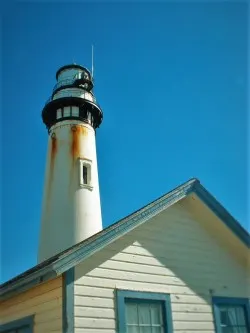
(222, 213)
(74, 255)
(27, 280)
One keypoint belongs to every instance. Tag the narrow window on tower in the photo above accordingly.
(58, 113)
(89, 117)
(66, 111)
(75, 111)
(85, 173)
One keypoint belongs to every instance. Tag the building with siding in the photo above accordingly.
(179, 264)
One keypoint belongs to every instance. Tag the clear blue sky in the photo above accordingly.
(172, 81)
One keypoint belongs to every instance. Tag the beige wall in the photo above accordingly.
(173, 253)
(44, 301)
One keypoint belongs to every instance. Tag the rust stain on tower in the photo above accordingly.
(53, 151)
(75, 151)
(77, 131)
(75, 143)
(84, 130)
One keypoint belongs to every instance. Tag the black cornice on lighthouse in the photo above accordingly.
(89, 111)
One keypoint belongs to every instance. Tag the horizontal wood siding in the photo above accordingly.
(43, 301)
(173, 254)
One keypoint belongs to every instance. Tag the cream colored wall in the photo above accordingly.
(173, 253)
(44, 301)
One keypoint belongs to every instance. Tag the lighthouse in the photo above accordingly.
(71, 209)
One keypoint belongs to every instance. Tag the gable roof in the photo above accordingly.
(67, 259)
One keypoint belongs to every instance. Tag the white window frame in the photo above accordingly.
(87, 163)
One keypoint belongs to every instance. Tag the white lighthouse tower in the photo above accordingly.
(71, 209)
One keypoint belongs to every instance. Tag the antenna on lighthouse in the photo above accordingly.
(92, 56)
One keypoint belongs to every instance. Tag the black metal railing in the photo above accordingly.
(66, 82)
(83, 95)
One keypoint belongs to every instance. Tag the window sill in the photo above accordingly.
(89, 187)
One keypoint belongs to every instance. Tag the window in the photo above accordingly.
(232, 315)
(66, 111)
(58, 113)
(75, 111)
(24, 325)
(85, 174)
(90, 118)
(78, 75)
(143, 312)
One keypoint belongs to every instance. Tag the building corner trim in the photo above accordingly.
(68, 300)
